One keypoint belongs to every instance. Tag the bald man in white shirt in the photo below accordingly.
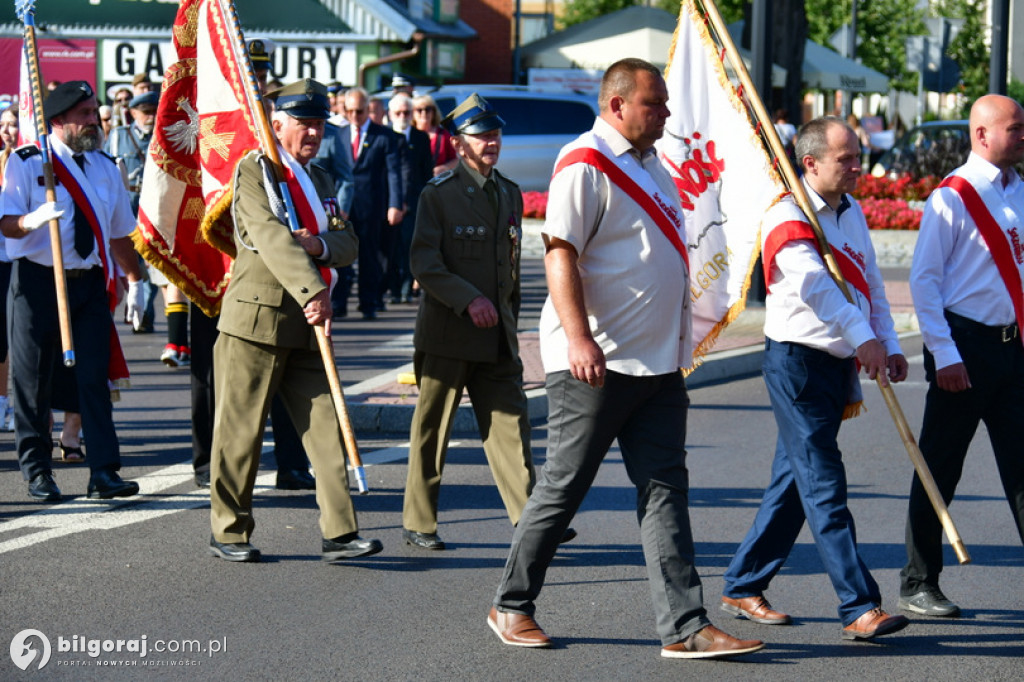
(966, 282)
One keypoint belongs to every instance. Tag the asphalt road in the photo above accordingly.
(84, 574)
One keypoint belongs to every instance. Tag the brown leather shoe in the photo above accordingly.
(517, 629)
(711, 643)
(756, 609)
(874, 623)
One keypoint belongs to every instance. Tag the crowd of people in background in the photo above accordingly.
(403, 179)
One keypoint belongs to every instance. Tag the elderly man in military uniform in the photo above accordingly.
(465, 255)
(279, 292)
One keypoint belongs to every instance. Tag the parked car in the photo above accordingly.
(537, 125)
(932, 148)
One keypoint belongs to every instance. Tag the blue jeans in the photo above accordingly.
(808, 390)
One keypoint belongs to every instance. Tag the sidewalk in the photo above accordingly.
(383, 405)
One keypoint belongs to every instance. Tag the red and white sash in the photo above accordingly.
(308, 206)
(628, 175)
(794, 226)
(70, 176)
(1002, 235)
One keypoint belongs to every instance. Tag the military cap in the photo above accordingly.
(472, 117)
(144, 98)
(400, 81)
(259, 53)
(305, 98)
(141, 78)
(65, 96)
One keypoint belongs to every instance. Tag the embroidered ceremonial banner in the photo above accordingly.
(725, 177)
(227, 125)
(171, 205)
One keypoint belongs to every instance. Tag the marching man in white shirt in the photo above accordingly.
(813, 336)
(966, 283)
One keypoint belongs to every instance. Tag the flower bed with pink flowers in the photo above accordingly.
(884, 200)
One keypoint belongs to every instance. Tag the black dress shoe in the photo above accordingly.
(42, 488)
(202, 479)
(372, 315)
(234, 551)
(349, 547)
(568, 535)
(295, 479)
(105, 484)
(424, 540)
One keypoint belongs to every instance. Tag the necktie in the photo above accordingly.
(84, 239)
(355, 143)
(492, 194)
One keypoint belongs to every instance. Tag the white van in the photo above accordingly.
(537, 126)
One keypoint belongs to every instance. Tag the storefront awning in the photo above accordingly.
(116, 18)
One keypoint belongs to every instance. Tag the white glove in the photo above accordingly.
(41, 216)
(134, 303)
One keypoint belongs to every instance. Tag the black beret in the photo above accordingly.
(65, 96)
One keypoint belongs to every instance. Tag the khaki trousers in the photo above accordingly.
(246, 376)
(496, 391)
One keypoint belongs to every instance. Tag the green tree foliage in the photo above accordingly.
(882, 26)
(578, 11)
(968, 49)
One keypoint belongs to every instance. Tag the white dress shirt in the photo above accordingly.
(953, 268)
(804, 304)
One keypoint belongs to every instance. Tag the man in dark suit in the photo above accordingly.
(417, 169)
(376, 198)
(278, 293)
(465, 254)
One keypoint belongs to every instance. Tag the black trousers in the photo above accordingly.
(996, 397)
(35, 354)
(288, 450)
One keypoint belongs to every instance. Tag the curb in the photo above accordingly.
(388, 418)
(383, 418)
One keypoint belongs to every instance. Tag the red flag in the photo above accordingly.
(172, 205)
(228, 127)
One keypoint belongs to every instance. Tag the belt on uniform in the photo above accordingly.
(80, 272)
(1002, 334)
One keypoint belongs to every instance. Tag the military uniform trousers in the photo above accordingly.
(496, 392)
(246, 376)
(34, 335)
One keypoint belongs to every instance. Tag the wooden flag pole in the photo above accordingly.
(803, 201)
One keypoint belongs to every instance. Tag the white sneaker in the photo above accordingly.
(170, 356)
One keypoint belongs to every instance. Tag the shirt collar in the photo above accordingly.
(820, 204)
(991, 172)
(477, 177)
(617, 142)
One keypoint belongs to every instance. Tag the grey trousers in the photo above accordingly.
(648, 416)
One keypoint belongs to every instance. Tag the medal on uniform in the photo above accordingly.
(513, 236)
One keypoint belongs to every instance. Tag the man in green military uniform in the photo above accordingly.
(279, 292)
(465, 255)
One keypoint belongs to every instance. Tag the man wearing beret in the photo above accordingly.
(279, 291)
(465, 254)
(95, 218)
